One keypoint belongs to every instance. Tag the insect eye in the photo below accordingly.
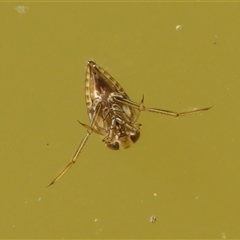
(113, 146)
(135, 137)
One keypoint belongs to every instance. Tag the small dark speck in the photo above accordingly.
(47, 144)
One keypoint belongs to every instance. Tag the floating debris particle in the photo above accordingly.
(22, 9)
(178, 27)
(153, 219)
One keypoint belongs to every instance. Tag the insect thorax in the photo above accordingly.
(116, 122)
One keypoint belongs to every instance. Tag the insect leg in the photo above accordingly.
(141, 107)
(83, 142)
(175, 114)
(92, 129)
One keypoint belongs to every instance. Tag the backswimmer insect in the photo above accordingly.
(112, 113)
